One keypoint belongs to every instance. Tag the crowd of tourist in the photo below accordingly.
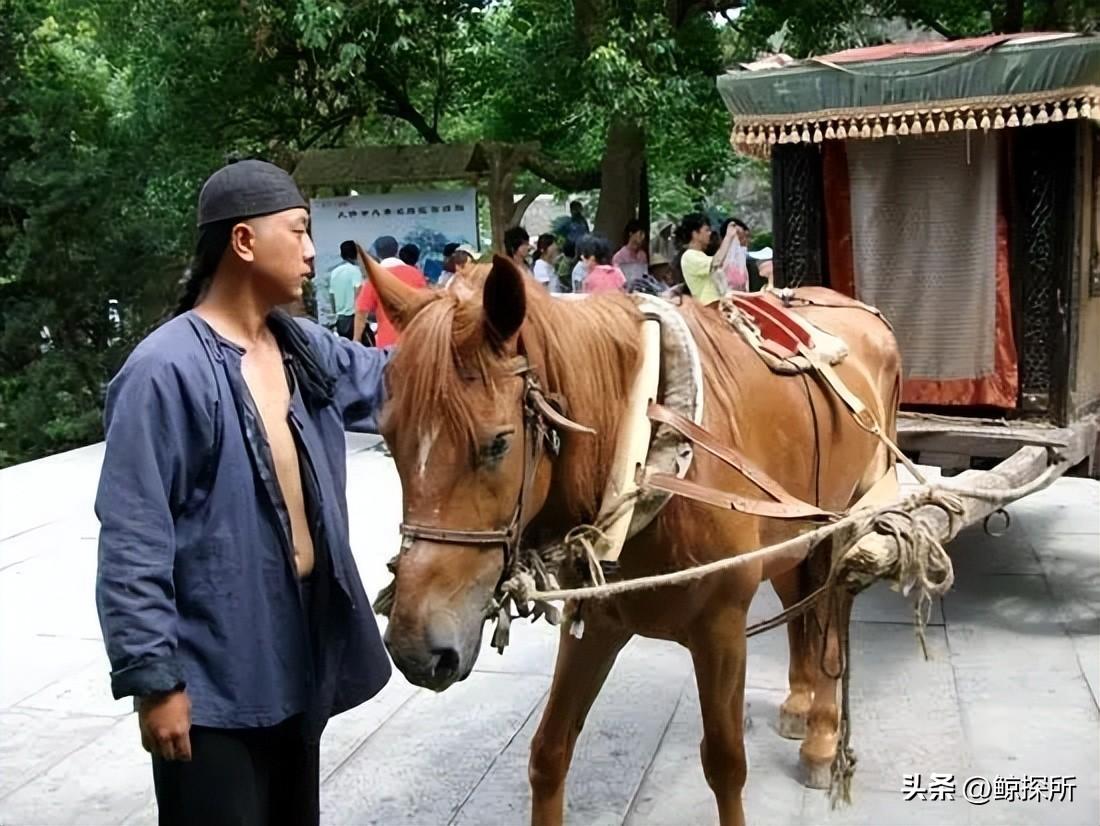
(706, 265)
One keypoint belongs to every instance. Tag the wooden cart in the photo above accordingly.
(957, 186)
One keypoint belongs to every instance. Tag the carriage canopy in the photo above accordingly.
(912, 89)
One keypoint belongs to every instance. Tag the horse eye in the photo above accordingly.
(494, 451)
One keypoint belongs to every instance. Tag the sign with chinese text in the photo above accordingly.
(428, 219)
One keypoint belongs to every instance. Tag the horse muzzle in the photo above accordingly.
(437, 662)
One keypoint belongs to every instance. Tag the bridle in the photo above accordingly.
(541, 423)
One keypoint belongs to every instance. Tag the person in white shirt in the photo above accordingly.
(580, 269)
(546, 255)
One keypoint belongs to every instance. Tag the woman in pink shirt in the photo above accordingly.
(631, 257)
(602, 277)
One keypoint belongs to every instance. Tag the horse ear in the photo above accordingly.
(504, 300)
(400, 301)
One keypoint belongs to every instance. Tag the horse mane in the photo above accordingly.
(431, 365)
(585, 353)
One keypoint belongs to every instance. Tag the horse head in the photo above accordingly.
(460, 433)
(475, 424)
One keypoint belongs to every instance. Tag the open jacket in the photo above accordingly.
(197, 584)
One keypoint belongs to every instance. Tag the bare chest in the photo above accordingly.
(265, 376)
(267, 382)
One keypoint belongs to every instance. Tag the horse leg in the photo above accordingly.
(790, 586)
(830, 620)
(718, 652)
(582, 666)
(822, 725)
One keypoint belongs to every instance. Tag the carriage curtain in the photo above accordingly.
(917, 228)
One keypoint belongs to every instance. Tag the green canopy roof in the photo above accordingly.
(991, 82)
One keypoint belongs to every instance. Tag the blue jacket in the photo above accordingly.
(196, 582)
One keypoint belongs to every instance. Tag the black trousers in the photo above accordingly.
(345, 326)
(242, 777)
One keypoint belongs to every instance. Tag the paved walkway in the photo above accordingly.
(1011, 690)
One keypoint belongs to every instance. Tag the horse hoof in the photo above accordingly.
(791, 725)
(816, 775)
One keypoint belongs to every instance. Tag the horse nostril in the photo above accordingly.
(446, 664)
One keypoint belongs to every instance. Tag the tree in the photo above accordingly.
(805, 29)
(607, 89)
(467, 70)
(109, 120)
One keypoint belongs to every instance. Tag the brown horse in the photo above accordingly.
(455, 424)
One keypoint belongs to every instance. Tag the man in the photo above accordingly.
(344, 283)
(578, 224)
(367, 302)
(702, 271)
(409, 254)
(517, 246)
(447, 272)
(322, 296)
(231, 607)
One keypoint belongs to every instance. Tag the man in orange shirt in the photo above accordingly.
(367, 300)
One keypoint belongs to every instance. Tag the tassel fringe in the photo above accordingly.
(756, 136)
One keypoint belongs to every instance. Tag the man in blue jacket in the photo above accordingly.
(229, 599)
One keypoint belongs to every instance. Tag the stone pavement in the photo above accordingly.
(1011, 690)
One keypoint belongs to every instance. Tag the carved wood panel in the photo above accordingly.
(798, 216)
(1043, 162)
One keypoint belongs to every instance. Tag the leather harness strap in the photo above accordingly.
(732, 501)
(788, 333)
(452, 536)
(737, 460)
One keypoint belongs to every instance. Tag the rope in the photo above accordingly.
(788, 614)
(858, 524)
(844, 764)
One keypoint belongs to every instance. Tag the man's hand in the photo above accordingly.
(165, 722)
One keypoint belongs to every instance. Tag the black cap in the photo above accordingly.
(247, 189)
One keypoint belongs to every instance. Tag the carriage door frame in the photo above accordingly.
(798, 216)
(1042, 163)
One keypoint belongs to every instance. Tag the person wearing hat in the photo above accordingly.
(762, 258)
(229, 600)
(463, 263)
(660, 268)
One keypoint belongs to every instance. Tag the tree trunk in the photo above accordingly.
(500, 191)
(1013, 19)
(1055, 18)
(620, 178)
(519, 209)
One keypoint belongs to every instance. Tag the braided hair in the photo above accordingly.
(211, 246)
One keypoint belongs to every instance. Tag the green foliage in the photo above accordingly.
(50, 404)
(557, 72)
(803, 29)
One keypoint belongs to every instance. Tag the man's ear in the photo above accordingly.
(242, 240)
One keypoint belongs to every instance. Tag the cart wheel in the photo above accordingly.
(1003, 529)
